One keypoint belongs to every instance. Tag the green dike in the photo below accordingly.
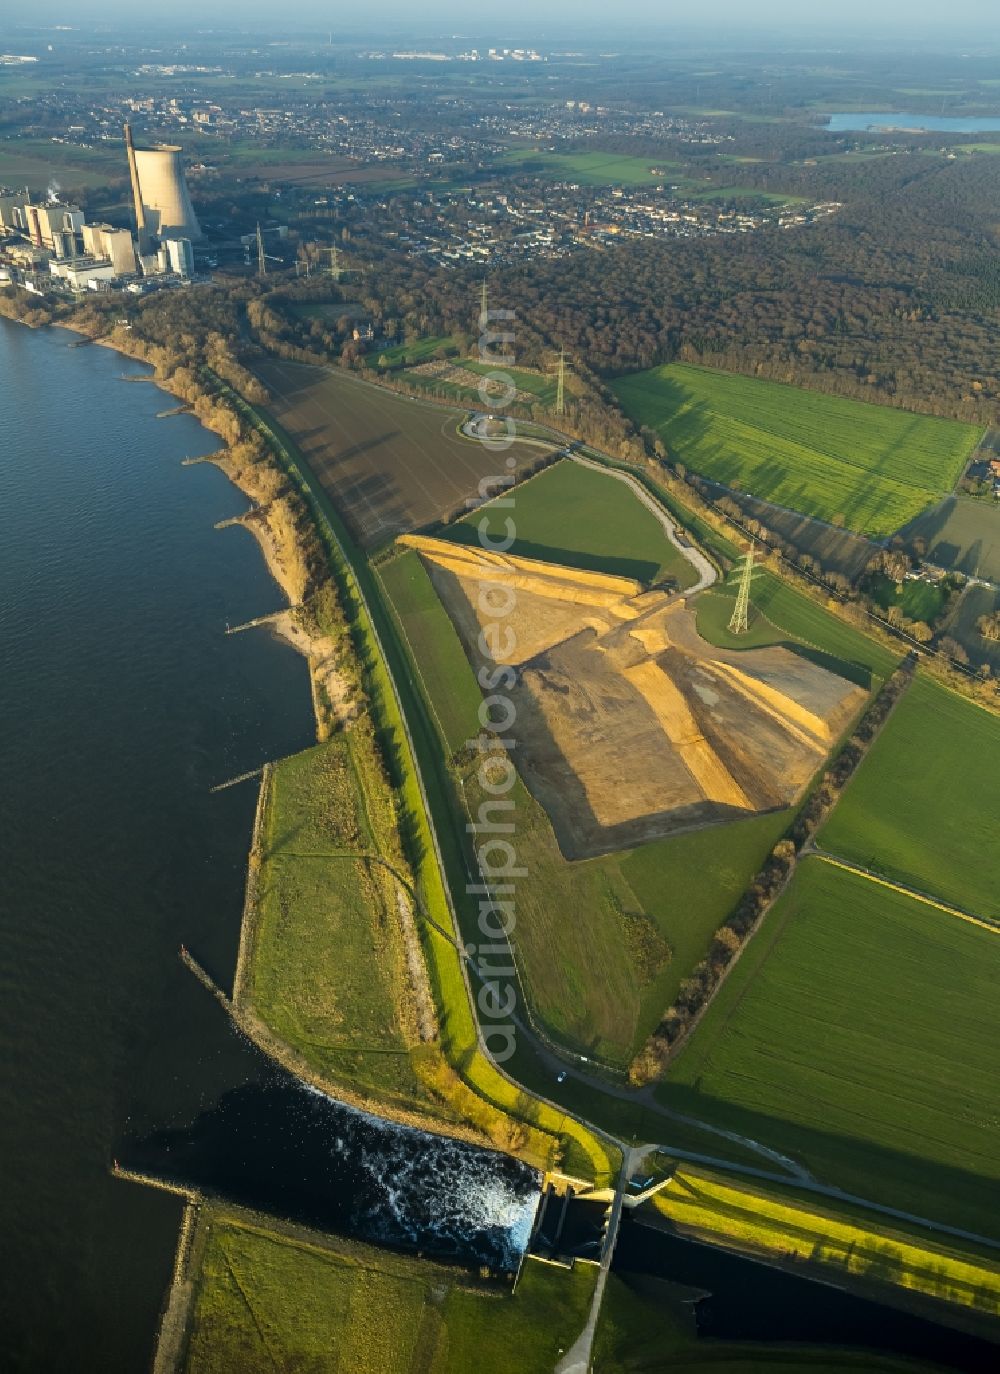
(473, 1086)
(857, 1034)
(836, 1244)
(267, 1301)
(919, 809)
(435, 650)
(327, 972)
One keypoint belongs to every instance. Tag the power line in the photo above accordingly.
(739, 622)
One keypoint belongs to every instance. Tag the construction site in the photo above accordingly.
(629, 725)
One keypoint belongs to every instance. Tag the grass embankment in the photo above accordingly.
(602, 945)
(868, 466)
(472, 1087)
(753, 1219)
(328, 972)
(919, 809)
(858, 1034)
(584, 519)
(267, 1302)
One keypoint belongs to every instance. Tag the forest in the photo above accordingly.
(895, 299)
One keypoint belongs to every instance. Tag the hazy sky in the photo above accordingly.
(559, 17)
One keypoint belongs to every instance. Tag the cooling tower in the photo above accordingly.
(167, 209)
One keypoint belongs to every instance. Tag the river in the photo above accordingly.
(123, 702)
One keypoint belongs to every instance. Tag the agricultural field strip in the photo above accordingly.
(919, 818)
(800, 448)
(877, 1080)
(729, 427)
(983, 922)
(414, 657)
(349, 492)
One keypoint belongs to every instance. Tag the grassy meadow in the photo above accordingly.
(328, 975)
(585, 519)
(781, 615)
(858, 1034)
(868, 467)
(436, 652)
(917, 600)
(593, 168)
(266, 1301)
(919, 809)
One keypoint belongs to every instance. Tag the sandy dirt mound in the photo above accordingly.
(629, 725)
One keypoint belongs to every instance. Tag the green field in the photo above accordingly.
(867, 466)
(586, 519)
(416, 351)
(267, 1302)
(435, 649)
(919, 810)
(595, 168)
(779, 614)
(327, 974)
(858, 1034)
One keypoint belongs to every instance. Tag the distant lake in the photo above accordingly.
(846, 123)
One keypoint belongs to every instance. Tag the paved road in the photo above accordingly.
(577, 1357)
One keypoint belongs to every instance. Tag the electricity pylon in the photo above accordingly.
(560, 384)
(335, 263)
(483, 313)
(739, 622)
(261, 258)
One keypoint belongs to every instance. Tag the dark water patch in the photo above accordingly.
(294, 1153)
(750, 1301)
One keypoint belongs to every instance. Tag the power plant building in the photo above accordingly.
(43, 222)
(104, 241)
(180, 256)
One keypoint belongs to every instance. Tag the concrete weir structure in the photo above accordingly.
(163, 206)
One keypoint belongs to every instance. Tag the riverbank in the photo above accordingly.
(472, 1100)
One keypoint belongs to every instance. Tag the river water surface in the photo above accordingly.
(122, 702)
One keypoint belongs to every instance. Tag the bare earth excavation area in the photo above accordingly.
(630, 726)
